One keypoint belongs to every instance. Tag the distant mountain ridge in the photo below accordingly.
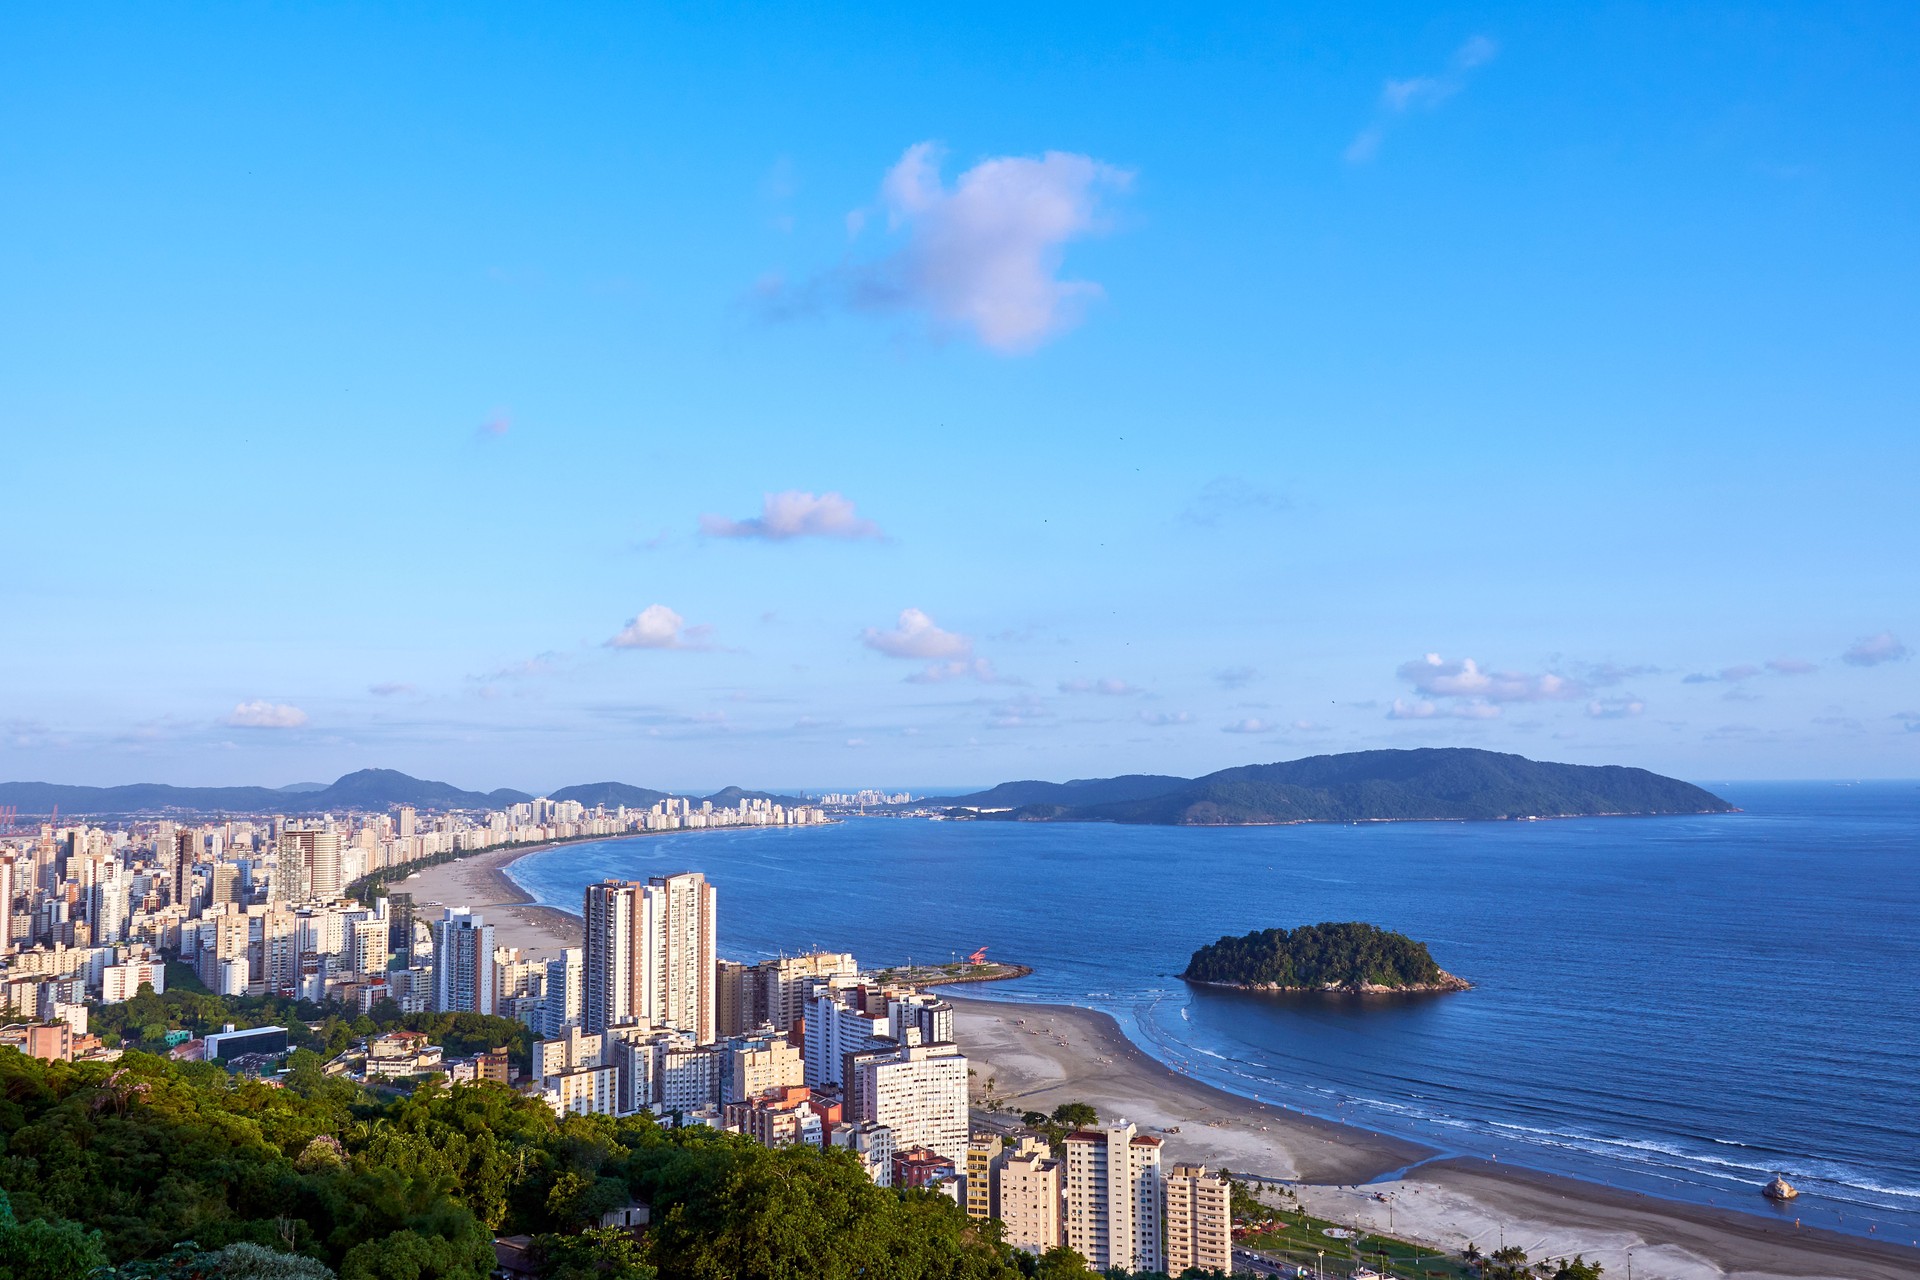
(1423, 785)
(364, 789)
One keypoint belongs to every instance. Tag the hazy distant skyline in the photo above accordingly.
(522, 398)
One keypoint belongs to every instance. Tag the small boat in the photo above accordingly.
(1779, 1189)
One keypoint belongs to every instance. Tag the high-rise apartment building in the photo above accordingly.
(1027, 1186)
(650, 955)
(310, 857)
(462, 963)
(1114, 1198)
(983, 1149)
(917, 1090)
(1199, 1222)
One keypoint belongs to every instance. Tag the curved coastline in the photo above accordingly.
(1435, 1193)
(1069, 1053)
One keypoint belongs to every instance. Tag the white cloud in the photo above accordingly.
(658, 627)
(1424, 709)
(982, 256)
(390, 689)
(1463, 678)
(1874, 650)
(794, 513)
(856, 742)
(1163, 718)
(960, 669)
(1248, 725)
(1107, 685)
(1615, 708)
(260, 714)
(1236, 677)
(1419, 93)
(1792, 667)
(916, 636)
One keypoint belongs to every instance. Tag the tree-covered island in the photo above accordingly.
(1352, 957)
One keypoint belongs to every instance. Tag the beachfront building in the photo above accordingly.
(650, 955)
(1114, 1199)
(917, 1090)
(1199, 1220)
(1027, 1187)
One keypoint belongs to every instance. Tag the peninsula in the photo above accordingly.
(1355, 958)
(1425, 785)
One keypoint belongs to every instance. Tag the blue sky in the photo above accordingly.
(521, 396)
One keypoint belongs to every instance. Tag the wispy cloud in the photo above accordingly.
(1398, 98)
(1236, 677)
(658, 627)
(1615, 708)
(261, 714)
(1161, 719)
(495, 426)
(1226, 499)
(1107, 685)
(982, 256)
(795, 513)
(1725, 675)
(960, 669)
(1427, 709)
(1791, 666)
(1249, 725)
(1871, 651)
(390, 689)
(917, 636)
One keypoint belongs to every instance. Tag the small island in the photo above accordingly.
(1353, 958)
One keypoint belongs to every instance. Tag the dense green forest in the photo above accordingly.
(1317, 957)
(1429, 784)
(163, 1171)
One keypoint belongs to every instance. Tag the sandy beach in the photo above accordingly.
(1042, 1055)
(480, 881)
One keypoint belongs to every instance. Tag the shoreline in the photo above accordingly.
(1336, 1169)
(1041, 1055)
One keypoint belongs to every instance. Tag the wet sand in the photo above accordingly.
(1042, 1055)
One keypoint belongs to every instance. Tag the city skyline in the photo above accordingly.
(820, 400)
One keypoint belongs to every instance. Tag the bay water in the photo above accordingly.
(1684, 1006)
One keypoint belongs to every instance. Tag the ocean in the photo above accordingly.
(1684, 1006)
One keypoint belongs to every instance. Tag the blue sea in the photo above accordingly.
(1683, 1006)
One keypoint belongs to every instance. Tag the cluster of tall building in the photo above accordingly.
(642, 1016)
(257, 907)
(795, 1049)
(1108, 1199)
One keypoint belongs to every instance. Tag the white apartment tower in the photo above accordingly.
(917, 1090)
(650, 955)
(1114, 1198)
(462, 963)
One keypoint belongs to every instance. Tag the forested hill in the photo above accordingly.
(1429, 784)
(1321, 957)
(366, 790)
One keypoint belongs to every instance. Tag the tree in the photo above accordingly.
(47, 1250)
(1076, 1115)
(1578, 1269)
(598, 1253)
(1062, 1263)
